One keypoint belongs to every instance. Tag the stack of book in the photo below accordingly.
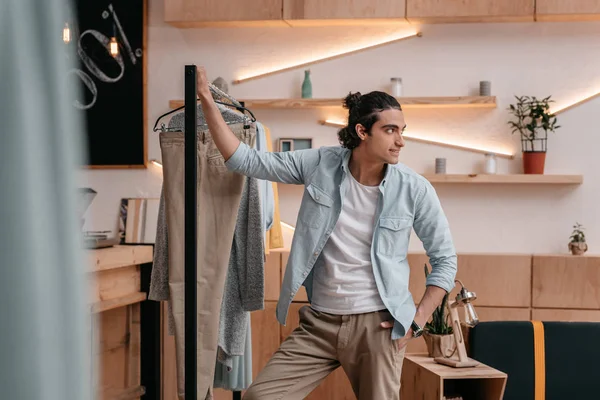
(98, 240)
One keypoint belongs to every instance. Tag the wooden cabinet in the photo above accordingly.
(197, 13)
(566, 282)
(118, 353)
(168, 358)
(265, 336)
(273, 275)
(567, 10)
(336, 12)
(503, 313)
(240, 13)
(500, 280)
(114, 302)
(552, 314)
(448, 11)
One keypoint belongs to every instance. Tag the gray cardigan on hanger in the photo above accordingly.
(244, 285)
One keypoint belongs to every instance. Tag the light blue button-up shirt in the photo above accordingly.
(407, 200)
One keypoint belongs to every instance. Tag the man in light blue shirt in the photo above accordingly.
(349, 251)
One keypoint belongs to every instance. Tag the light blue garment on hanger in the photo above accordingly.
(265, 188)
(240, 376)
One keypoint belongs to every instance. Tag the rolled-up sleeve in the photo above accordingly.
(431, 226)
(285, 167)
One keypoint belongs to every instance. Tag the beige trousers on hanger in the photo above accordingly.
(219, 193)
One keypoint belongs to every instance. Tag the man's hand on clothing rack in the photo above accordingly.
(224, 138)
(202, 85)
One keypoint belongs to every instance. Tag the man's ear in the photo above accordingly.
(361, 131)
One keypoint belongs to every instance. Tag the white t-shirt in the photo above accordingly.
(343, 281)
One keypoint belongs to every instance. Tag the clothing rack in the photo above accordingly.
(190, 244)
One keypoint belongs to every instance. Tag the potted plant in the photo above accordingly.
(438, 334)
(533, 122)
(578, 245)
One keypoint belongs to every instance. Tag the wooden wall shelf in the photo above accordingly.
(483, 179)
(406, 102)
(506, 179)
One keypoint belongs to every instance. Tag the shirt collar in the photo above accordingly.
(346, 160)
(346, 169)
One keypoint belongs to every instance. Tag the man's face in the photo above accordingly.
(385, 141)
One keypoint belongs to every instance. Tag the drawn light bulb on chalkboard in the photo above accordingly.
(114, 47)
(66, 33)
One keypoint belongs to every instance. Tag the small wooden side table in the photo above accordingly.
(423, 378)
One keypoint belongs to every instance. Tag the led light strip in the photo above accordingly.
(318, 60)
(577, 103)
(288, 226)
(409, 136)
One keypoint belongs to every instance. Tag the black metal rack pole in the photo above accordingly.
(150, 332)
(190, 254)
(237, 395)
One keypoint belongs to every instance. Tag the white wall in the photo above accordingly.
(558, 59)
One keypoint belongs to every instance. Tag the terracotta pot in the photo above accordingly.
(534, 162)
(578, 248)
(440, 345)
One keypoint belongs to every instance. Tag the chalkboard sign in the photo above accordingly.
(112, 95)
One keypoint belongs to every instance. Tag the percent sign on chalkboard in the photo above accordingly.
(112, 90)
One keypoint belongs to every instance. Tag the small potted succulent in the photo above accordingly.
(438, 333)
(578, 245)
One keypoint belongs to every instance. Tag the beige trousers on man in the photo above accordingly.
(322, 343)
(219, 194)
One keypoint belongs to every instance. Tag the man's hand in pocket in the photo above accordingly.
(402, 342)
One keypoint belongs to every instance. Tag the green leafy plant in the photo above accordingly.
(577, 236)
(533, 121)
(439, 322)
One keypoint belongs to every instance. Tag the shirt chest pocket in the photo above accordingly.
(394, 234)
(318, 206)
